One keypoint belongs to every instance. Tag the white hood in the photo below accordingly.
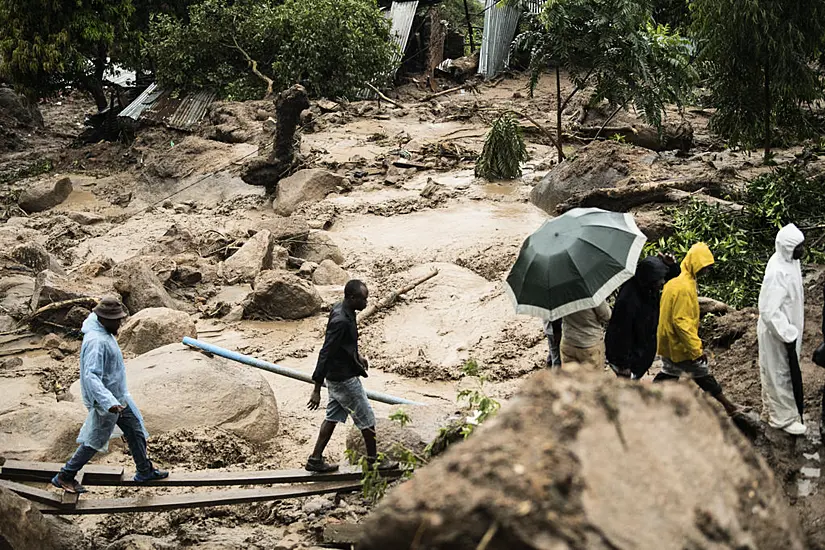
(788, 238)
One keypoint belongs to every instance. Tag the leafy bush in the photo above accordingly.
(743, 242)
(332, 47)
(503, 151)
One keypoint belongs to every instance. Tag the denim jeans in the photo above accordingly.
(132, 431)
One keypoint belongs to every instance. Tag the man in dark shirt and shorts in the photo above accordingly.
(340, 364)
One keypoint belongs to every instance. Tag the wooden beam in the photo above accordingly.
(21, 470)
(241, 477)
(32, 493)
(70, 499)
(199, 500)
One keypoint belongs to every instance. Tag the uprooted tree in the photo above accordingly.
(613, 46)
(760, 56)
(247, 49)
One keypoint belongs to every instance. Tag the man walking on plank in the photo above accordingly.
(103, 388)
(678, 333)
(340, 364)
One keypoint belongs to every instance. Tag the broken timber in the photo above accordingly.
(393, 296)
(302, 484)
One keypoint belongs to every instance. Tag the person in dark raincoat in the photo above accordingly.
(631, 334)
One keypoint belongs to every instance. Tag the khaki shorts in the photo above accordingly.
(593, 356)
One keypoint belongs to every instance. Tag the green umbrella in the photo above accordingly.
(574, 262)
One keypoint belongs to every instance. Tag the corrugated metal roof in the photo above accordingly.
(160, 106)
(500, 26)
(402, 15)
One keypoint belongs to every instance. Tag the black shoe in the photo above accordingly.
(151, 475)
(318, 465)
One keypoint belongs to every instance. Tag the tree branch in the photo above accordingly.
(253, 65)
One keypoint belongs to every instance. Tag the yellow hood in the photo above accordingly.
(698, 257)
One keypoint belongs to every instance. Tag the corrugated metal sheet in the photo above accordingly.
(401, 15)
(160, 106)
(141, 103)
(500, 26)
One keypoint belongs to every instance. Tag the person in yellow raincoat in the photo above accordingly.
(678, 334)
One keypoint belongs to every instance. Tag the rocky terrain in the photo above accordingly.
(383, 194)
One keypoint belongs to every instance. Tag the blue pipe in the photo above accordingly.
(283, 371)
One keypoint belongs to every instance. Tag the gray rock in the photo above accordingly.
(16, 292)
(155, 327)
(42, 196)
(306, 185)
(317, 504)
(139, 286)
(318, 247)
(85, 218)
(24, 527)
(391, 438)
(18, 109)
(32, 255)
(140, 542)
(258, 254)
(306, 270)
(329, 273)
(288, 232)
(281, 295)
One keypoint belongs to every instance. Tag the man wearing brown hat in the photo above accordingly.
(104, 393)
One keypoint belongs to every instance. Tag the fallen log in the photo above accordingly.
(683, 196)
(283, 371)
(622, 199)
(390, 299)
(86, 301)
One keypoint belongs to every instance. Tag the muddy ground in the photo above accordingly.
(169, 190)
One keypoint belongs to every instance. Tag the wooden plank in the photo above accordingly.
(70, 499)
(43, 471)
(32, 493)
(199, 500)
(265, 477)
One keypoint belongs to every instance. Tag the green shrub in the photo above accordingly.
(503, 151)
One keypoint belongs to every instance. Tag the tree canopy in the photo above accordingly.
(615, 47)
(243, 48)
(759, 56)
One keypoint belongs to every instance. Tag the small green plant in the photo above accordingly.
(618, 138)
(481, 405)
(373, 484)
(503, 151)
(401, 417)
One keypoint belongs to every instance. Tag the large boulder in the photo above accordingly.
(24, 527)
(318, 247)
(281, 295)
(16, 294)
(42, 196)
(42, 430)
(287, 231)
(155, 327)
(50, 287)
(258, 254)
(34, 256)
(579, 460)
(329, 273)
(139, 286)
(392, 439)
(599, 165)
(311, 184)
(177, 388)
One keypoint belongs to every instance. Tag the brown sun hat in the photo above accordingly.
(110, 308)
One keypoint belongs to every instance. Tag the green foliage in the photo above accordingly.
(481, 405)
(452, 11)
(401, 417)
(503, 151)
(743, 242)
(615, 47)
(46, 44)
(332, 47)
(759, 56)
(373, 484)
(673, 13)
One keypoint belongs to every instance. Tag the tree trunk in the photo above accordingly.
(95, 89)
(768, 109)
(469, 27)
(558, 115)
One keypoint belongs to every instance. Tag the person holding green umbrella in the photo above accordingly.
(568, 268)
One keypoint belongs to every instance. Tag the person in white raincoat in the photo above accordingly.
(104, 393)
(781, 320)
